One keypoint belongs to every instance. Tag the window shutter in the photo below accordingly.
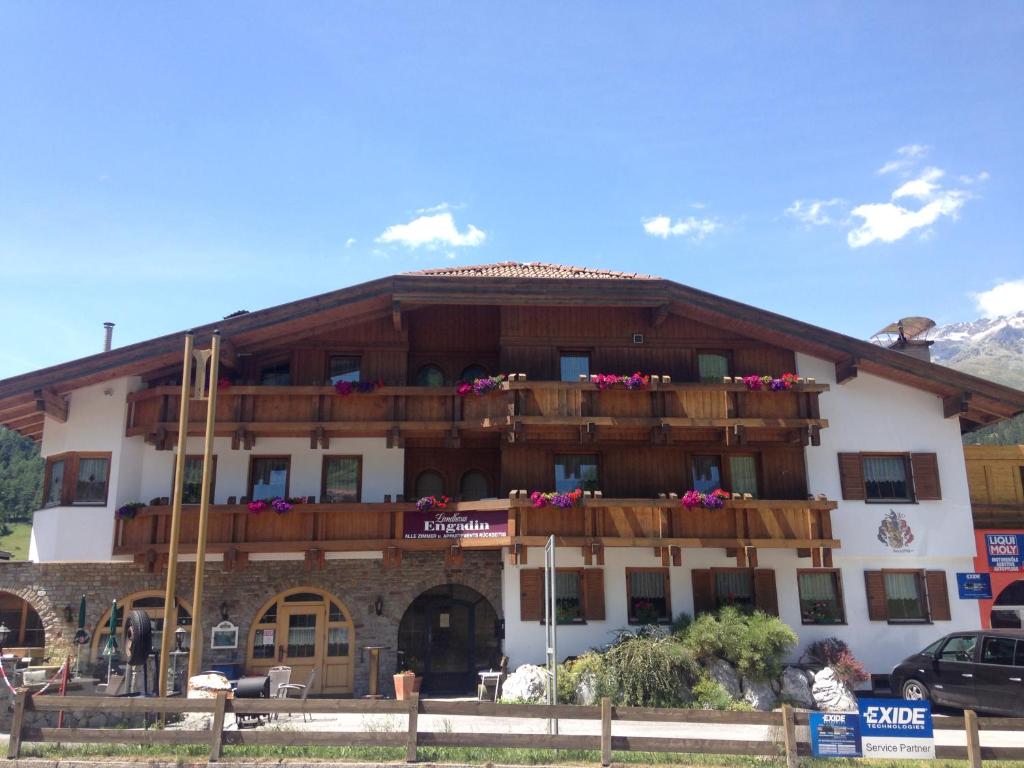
(703, 591)
(765, 596)
(851, 476)
(925, 468)
(531, 594)
(938, 596)
(874, 586)
(593, 594)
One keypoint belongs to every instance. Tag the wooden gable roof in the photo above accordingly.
(25, 398)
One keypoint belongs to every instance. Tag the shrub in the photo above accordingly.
(652, 671)
(835, 653)
(596, 666)
(754, 643)
(709, 694)
(681, 623)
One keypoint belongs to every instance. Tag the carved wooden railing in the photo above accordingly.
(318, 412)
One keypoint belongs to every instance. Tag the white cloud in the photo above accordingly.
(983, 176)
(663, 227)
(441, 207)
(923, 187)
(1005, 299)
(813, 212)
(907, 156)
(432, 232)
(889, 222)
(350, 242)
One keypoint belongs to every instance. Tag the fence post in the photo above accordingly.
(412, 733)
(973, 739)
(789, 736)
(14, 745)
(217, 727)
(606, 731)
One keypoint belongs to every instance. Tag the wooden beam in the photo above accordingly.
(52, 404)
(396, 315)
(956, 405)
(846, 369)
(659, 314)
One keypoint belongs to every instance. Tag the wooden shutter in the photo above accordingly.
(938, 596)
(851, 476)
(531, 594)
(874, 586)
(593, 594)
(703, 591)
(925, 469)
(765, 596)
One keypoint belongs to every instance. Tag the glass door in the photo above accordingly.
(303, 629)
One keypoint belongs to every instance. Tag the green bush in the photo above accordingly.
(754, 643)
(596, 666)
(709, 694)
(653, 671)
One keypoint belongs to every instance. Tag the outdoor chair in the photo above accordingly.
(303, 689)
(279, 677)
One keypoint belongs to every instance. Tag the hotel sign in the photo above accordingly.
(447, 524)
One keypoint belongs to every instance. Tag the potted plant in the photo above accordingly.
(408, 679)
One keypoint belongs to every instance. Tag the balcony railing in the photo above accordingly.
(321, 528)
(318, 412)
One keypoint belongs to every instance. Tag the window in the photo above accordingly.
(712, 367)
(746, 588)
(743, 475)
(706, 473)
(77, 478)
(734, 587)
(579, 595)
(429, 483)
(959, 648)
(574, 471)
(474, 486)
(268, 477)
(821, 597)
(342, 368)
(998, 650)
(192, 489)
(474, 371)
(647, 596)
(342, 478)
(23, 621)
(890, 478)
(568, 597)
(907, 596)
(430, 376)
(572, 365)
(279, 375)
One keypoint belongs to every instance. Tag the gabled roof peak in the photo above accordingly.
(530, 269)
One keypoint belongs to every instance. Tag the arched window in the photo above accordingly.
(474, 371)
(21, 618)
(430, 376)
(473, 486)
(152, 602)
(429, 483)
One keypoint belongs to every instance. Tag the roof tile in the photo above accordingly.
(531, 269)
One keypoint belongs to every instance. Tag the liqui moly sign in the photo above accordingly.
(1003, 551)
(447, 524)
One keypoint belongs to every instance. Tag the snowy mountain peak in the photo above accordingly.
(990, 347)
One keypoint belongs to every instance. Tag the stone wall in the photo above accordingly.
(357, 583)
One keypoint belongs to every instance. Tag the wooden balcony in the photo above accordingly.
(741, 526)
(518, 409)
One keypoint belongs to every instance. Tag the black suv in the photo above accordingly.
(972, 670)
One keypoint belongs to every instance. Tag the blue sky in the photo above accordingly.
(164, 164)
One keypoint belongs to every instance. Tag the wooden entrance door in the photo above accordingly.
(303, 647)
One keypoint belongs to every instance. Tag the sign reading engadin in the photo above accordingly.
(445, 524)
(896, 729)
(1003, 551)
(974, 586)
(835, 734)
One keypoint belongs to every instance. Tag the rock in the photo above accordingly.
(759, 694)
(723, 673)
(796, 689)
(527, 684)
(831, 694)
(586, 690)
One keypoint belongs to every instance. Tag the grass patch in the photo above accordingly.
(16, 542)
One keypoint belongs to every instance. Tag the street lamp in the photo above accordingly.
(4, 633)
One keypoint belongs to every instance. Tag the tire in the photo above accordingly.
(138, 637)
(915, 690)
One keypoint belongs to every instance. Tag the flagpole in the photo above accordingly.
(170, 593)
(195, 656)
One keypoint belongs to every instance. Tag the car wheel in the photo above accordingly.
(914, 690)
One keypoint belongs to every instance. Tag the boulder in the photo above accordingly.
(723, 673)
(527, 684)
(759, 694)
(796, 688)
(831, 694)
(586, 690)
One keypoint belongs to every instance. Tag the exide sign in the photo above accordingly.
(1003, 551)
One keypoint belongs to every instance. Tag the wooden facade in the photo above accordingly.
(995, 476)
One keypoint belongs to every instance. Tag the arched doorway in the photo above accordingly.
(152, 602)
(1008, 607)
(305, 629)
(448, 634)
(27, 637)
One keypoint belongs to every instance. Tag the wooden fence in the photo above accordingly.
(782, 743)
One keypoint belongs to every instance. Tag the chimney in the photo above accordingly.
(108, 335)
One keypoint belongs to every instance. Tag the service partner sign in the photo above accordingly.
(896, 729)
(448, 524)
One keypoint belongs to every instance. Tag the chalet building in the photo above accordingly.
(849, 513)
(995, 475)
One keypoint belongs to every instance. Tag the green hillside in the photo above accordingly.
(21, 478)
